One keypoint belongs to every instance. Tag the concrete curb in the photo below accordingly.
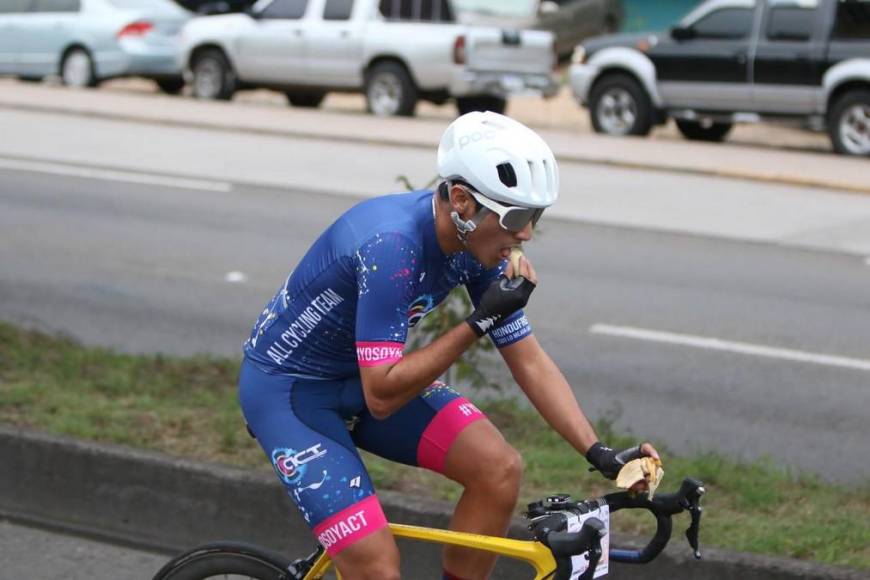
(670, 163)
(168, 504)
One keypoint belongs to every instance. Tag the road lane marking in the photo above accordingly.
(724, 345)
(114, 175)
(235, 277)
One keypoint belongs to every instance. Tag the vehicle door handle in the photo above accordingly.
(741, 59)
(297, 32)
(344, 33)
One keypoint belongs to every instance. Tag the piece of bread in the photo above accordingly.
(516, 253)
(637, 470)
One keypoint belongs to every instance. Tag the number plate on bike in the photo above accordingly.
(579, 564)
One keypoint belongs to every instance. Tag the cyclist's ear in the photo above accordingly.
(461, 201)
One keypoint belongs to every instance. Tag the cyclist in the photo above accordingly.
(324, 371)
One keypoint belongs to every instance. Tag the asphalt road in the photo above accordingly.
(150, 267)
(27, 552)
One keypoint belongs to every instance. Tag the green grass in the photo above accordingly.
(188, 407)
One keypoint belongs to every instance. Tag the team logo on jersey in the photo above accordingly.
(290, 464)
(419, 308)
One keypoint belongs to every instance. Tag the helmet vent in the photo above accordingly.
(506, 174)
(551, 176)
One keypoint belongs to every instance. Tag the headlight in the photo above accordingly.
(579, 55)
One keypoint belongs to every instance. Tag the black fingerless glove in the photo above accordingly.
(608, 461)
(501, 299)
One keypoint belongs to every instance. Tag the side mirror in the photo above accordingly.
(547, 7)
(682, 33)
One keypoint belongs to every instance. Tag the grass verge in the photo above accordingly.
(188, 407)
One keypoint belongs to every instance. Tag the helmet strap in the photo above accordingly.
(465, 227)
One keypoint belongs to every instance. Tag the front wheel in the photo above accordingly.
(213, 77)
(619, 105)
(481, 103)
(701, 131)
(228, 558)
(849, 123)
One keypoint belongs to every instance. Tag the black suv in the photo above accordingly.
(732, 61)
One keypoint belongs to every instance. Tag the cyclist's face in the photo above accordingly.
(490, 243)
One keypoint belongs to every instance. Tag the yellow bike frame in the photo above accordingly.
(535, 554)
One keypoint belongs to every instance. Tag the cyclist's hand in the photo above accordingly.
(609, 461)
(501, 299)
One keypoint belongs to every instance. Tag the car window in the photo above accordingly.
(285, 9)
(853, 20)
(793, 23)
(418, 10)
(12, 6)
(56, 5)
(337, 9)
(725, 23)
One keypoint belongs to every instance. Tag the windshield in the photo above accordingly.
(508, 8)
(150, 6)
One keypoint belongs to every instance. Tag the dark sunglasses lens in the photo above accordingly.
(517, 218)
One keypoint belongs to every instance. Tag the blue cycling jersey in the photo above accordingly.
(371, 275)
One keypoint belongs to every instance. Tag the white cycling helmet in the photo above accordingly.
(501, 158)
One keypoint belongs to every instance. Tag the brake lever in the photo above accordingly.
(695, 510)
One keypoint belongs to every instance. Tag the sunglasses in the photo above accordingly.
(510, 217)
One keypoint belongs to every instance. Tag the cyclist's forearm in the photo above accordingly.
(416, 371)
(549, 391)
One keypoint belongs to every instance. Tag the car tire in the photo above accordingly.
(305, 100)
(849, 123)
(77, 69)
(619, 105)
(700, 131)
(390, 91)
(213, 77)
(481, 103)
(170, 86)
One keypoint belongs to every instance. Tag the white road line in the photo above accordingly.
(114, 175)
(738, 347)
(235, 277)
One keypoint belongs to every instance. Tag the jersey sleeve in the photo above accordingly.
(386, 267)
(513, 328)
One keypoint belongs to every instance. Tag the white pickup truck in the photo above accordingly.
(396, 51)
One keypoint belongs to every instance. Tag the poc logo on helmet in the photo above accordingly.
(475, 137)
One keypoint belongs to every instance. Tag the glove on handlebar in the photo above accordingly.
(608, 461)
(501, 299)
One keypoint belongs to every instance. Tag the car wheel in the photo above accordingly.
(481, 103)
(77, 69)
(849, 123)
(390, 90)
(619, 105)
(170, 86)
(306, 100)
(213, 77)
(703, 131)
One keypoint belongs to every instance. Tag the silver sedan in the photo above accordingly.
(88, 41)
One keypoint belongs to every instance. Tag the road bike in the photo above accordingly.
(571, 541)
